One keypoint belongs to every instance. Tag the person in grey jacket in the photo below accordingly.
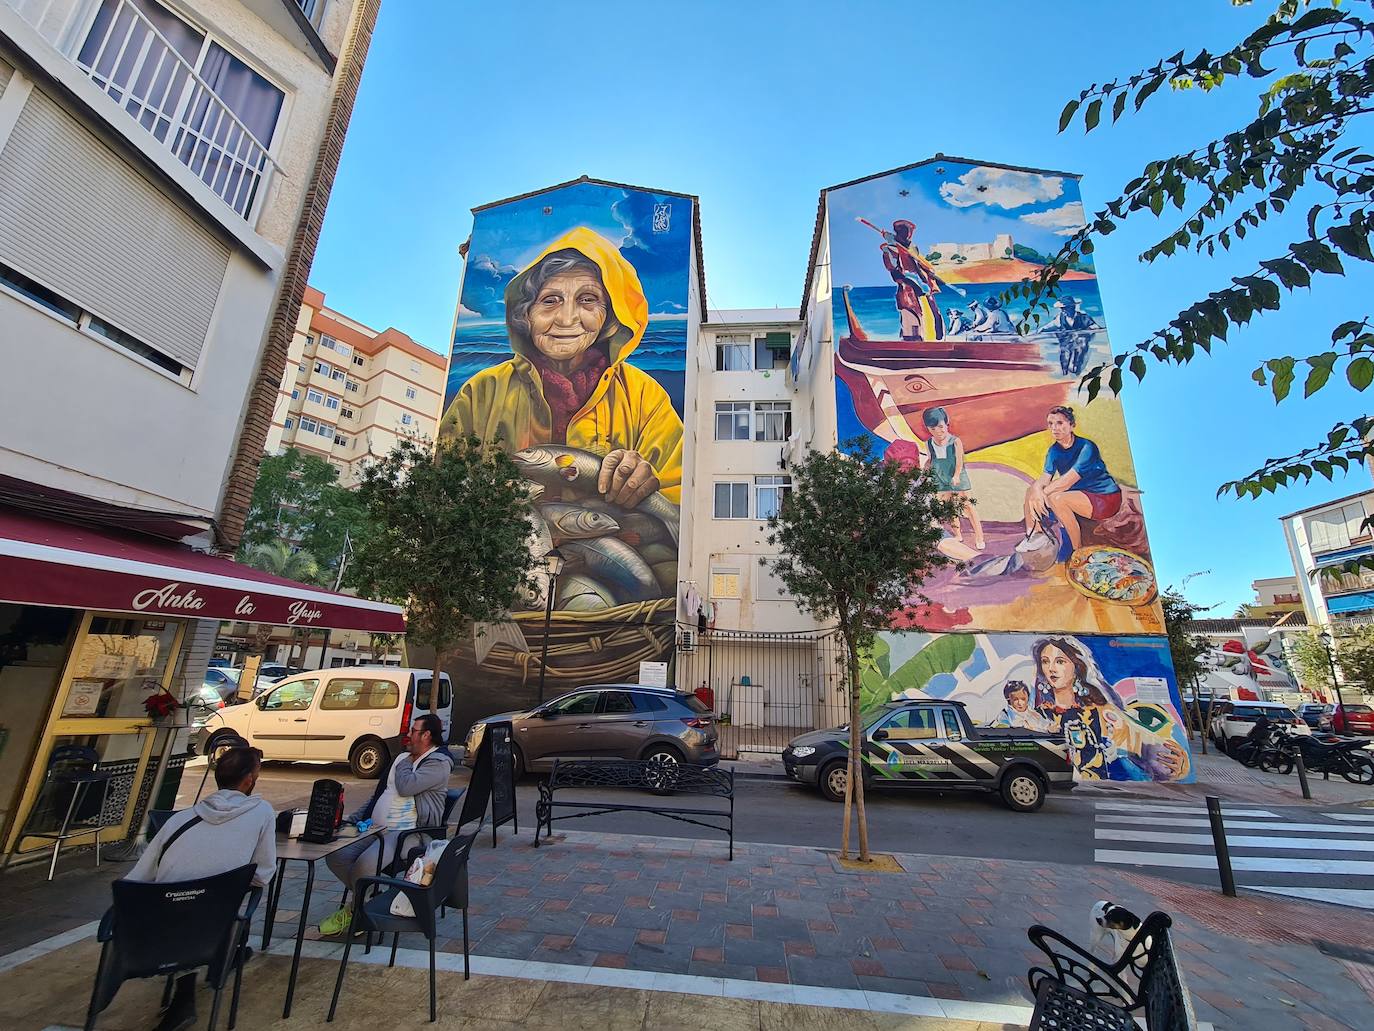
(219, 833)
(410, 793)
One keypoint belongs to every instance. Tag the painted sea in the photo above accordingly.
(662, 353)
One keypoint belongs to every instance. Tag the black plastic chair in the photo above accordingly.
(449, 887)
(73, 769)
(168, 928)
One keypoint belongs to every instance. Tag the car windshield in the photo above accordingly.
(1359, 710)
(868, 717)
(1273, 712)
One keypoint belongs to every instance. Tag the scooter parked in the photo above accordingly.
(1347, 757)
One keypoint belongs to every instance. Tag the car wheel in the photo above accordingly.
(517, 763)
(1360, 770)
(1023, 791)
(367, 759)
(663, 769)
(832, 779)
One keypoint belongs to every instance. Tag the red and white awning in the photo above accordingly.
(50, 563)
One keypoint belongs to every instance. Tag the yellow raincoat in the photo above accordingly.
(628, 409)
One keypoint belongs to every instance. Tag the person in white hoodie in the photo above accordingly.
(219, 833)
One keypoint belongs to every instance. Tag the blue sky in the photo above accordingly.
(756, 107)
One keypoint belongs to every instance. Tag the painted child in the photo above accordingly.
(946, 454)
(1018, 712)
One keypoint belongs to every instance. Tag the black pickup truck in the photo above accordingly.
(926, 744)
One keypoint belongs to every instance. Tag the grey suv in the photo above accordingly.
(611, 721)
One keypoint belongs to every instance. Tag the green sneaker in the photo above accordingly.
(337, 923)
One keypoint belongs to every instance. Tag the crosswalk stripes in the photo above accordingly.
(1325, 856)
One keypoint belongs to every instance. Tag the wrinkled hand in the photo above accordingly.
(626, 478)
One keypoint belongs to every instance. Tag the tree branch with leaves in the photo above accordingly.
(1313, 61)
(857, 537)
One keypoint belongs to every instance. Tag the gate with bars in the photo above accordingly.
(766, 688)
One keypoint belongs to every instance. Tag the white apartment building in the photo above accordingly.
(743, 421)
(350, 392)
(164, 171)
(1328, 535)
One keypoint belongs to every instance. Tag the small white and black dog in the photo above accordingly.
(1112, 929)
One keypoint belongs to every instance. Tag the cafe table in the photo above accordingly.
(293, 850)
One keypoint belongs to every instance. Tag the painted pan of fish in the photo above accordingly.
(571, 468)
(575, 522)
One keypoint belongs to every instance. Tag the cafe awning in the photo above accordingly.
(44, 562)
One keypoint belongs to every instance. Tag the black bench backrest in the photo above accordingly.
(1163, 995)
(686, 779)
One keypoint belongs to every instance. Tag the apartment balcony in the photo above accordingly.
(162, 86)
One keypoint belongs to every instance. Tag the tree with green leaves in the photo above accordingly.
(277, 557)
(448, 539)
(297, 500)
(1312, 663)
(1298, 164)
(1352, 650)
(857, 536)
(1186, 649)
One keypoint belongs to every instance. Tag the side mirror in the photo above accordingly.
(880, 735)
(544, 714)
(260, 701)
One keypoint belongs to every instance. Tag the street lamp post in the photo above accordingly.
(1326, 640)
(553, 562)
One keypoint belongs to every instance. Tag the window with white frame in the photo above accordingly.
(733, 352)
(341, 440)
(732, 420)
(314, 395)
(289, 422)
(331, 402)
(322, 368)
(310, 340)
(406, 419)
(301, 366)
(325, 430)
(308, 424)
(295, 394)
(732, 500)
(336, 374)
(768, 495)
(143, 55)
(345, 413)
(358, 359)
(772, 351)
(1337, 527)
(772, 420)
(410, 393)
(351, 385)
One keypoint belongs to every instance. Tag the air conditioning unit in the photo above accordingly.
(687, 641)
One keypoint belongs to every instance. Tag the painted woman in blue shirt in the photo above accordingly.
(1075, 484)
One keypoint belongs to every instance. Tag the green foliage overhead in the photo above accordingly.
(1299, 164)
(297, 499)
(857, 537)
(277, 558)
(448, 537)
(1353, 649)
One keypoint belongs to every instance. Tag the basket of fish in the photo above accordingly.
(614, 602)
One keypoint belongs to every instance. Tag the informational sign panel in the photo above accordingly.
(653, 674)
(84, 698)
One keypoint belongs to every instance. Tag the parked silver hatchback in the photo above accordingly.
(609, 721)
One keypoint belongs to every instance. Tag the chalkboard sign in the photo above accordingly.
(501, 771)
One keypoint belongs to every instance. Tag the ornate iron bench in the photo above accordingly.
(632, 775)
(1085, 992)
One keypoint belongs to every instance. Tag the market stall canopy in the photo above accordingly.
(43, 562)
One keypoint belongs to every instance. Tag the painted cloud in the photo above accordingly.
(1001, 188)
(1064, 220)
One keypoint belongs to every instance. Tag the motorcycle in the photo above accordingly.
(1346, 757)
(1257, 747)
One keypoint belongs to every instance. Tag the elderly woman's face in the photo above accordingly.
(568, 314)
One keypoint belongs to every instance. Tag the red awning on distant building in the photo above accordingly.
(43, 562)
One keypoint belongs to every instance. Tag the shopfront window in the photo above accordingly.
(118, 664)
(33, 647)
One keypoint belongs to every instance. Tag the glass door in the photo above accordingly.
(116, 664)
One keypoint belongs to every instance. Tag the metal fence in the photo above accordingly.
(766, 688)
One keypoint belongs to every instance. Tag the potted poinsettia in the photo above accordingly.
(161, 705)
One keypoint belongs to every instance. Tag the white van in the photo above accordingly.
(352, 714)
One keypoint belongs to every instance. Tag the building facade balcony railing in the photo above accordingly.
(117, 47)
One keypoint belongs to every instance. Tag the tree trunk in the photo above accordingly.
(856, 779)
(1197, 712)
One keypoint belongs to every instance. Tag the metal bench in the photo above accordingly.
(1085, 992)
(631, 775)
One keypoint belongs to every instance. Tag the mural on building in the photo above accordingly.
(570, 349)
(929, 363)
(1248, 664)
(1114, 698)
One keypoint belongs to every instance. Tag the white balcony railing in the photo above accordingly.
(141, 71)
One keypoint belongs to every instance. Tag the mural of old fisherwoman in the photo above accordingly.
(569, 353)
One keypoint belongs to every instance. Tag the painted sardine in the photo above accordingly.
(617, 565)
(571, 468)
(578, 593)
(575, 522)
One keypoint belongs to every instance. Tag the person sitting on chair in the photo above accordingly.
(219, 833)
(410, 793)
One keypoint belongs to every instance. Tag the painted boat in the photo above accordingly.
(994, 391)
